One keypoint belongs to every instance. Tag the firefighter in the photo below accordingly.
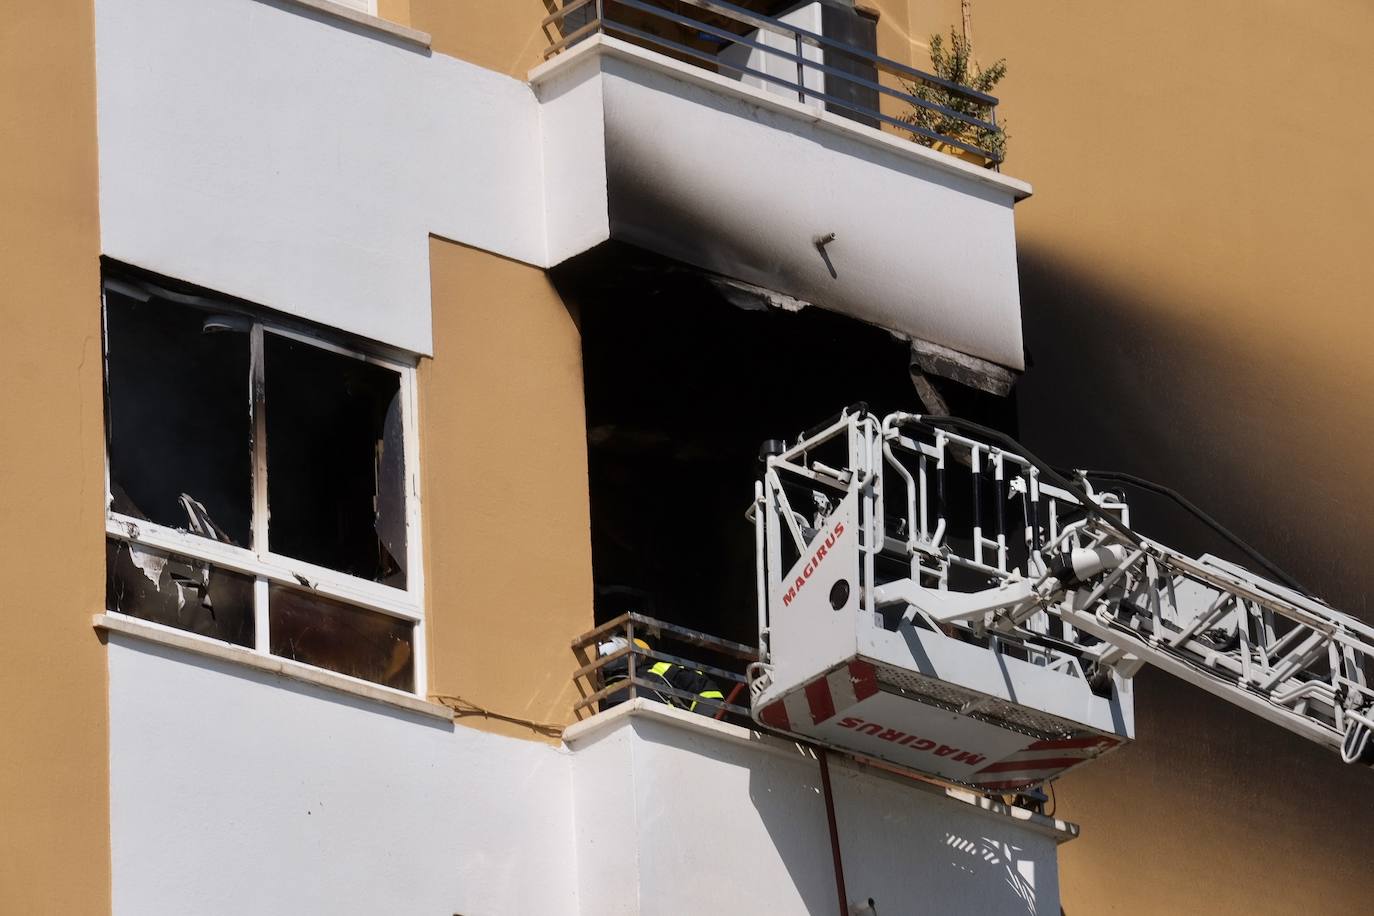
(614, 672)
(687, 680)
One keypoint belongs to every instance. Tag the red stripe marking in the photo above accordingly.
(864, 678)
(1067, 743)
(819, 699)
(1029, 766)
(775, 714)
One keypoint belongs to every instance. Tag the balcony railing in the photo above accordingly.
(596, 692)
(720, 23)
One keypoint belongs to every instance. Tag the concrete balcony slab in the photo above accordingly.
(746, 183)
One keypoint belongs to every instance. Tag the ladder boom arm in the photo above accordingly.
(1034, 558)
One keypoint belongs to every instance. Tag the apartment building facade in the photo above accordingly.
(363, 358)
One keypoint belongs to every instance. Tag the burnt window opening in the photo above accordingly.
(350, 640)
(179, 422)
(682, 388)
(335, 461)
(285, 445)
(178, 591)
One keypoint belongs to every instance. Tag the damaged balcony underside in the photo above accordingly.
(927, 358)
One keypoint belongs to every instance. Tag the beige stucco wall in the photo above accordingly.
(54, 760)
(1196, 285)
(500, 35)
(394, 10)
(507, 532)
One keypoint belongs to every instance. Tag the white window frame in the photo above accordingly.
(267, 567)
(366, 7)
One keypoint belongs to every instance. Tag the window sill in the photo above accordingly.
(400, 33)
(199, 645)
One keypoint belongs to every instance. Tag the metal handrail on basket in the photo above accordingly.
(592, 691)
(601, 19)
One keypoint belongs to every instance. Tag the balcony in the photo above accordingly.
(782, 160)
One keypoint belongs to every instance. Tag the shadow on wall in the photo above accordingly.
(908, 851)
(1260, 432)
(988, 859)
(1266, 432)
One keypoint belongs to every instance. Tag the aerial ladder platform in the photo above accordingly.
(932, 595)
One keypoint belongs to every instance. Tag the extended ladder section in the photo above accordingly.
(939, 599)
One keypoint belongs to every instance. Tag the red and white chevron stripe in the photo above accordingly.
(843, 688)
(818, 700)
(1041, 760)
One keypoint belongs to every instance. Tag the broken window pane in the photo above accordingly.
(178, 591)
(329, 634)
(335, 464)
(180, 443)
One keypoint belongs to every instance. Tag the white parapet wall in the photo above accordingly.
(237, 790)
(676, 813)
(745, 182)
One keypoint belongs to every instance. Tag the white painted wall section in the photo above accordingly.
(708, 822)
(742, 182)
(573, 145)
(300, 161)
(233, 791)
(918, 249)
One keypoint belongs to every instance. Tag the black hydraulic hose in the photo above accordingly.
(1047, 471)
(1183, 503)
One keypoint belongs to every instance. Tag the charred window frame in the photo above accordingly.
(293, 533)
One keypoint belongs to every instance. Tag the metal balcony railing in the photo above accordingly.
(719, 22)
(597, 693)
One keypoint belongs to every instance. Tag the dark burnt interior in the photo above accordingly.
(682, 388)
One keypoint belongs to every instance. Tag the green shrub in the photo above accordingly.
(956, 66)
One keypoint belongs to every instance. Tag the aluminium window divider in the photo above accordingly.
(257, 390)
(415, 560)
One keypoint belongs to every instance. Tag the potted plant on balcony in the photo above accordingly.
(956, 65)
